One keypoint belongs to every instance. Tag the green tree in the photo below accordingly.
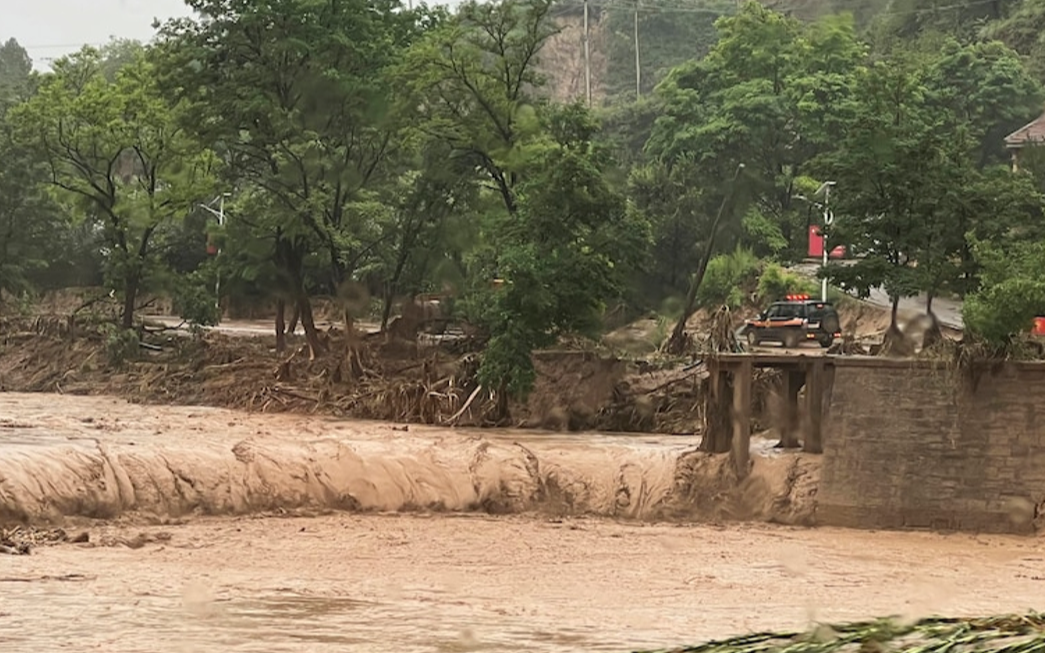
(1022, 28)
(562, 238)
(986, 89)
(1012, 291)
(116, 155)
(674, 203)
(891, 172)
(433, 223)
(296, 94)
(562, 254)
(904, 21)
(476, 79)
(727, 278)
(772, 94)
(911, 182)
(27, 226)
(15, 72)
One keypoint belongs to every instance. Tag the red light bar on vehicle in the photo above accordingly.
(794, 298)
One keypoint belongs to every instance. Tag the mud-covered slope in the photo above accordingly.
(94, 457)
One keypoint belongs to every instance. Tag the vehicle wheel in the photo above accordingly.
(791, 339)
(752, 338)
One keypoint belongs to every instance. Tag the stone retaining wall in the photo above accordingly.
(910, 444)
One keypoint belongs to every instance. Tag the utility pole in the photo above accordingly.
(587, 56)
(829, 218)
(638, 66)
(220, 215)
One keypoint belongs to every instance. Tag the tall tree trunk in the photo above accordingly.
(281, 325)
(130, 298)
(295, 317)
(315, 347)
(386, 308)
(392, 285)
(929, 301)
(894, 323)
(502, 413)
(677, 343)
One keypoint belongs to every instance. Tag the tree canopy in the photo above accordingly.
(368, 153)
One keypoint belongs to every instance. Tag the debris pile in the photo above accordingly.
(1012, 633)
(21, 540)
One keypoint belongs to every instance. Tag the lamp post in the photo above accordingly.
(829, 218)
(220, 215)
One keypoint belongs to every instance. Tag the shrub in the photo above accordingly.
(775, 282)
(726, 278)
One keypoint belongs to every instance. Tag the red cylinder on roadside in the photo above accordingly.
(816, 242)
(1039, 326)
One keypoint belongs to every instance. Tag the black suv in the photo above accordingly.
(793, 321)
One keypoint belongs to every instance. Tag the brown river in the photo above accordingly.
(219, 531)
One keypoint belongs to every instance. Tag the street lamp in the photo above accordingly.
(829, 218)
(220, 215)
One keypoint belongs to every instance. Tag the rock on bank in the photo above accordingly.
(96, 457)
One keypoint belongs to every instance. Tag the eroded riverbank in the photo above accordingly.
(95, 457)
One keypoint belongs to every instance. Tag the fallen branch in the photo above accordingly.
(91, 302)
(668, 384)
(467, 403)
(295, 394)
(223, 366)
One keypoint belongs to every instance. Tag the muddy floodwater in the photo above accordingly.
(471, 583)
(160, 575)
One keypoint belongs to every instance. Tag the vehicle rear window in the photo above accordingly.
(786, 310)
(820, 309)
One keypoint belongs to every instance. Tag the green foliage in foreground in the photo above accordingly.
(1001, 634)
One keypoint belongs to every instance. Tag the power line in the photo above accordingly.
(587, 55)
(647, 8)
(61, 46)
(638, 64)
(650, 8)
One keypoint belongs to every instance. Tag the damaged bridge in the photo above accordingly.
(906, 443)
(729, 401)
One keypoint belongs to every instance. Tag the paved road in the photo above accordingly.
(948, 311)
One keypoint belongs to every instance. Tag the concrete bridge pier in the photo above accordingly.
(728, 427)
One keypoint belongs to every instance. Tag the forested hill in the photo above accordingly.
(673, 31)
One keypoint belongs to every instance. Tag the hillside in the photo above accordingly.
(669, 32)
(673, 31)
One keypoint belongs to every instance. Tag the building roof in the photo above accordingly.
(1033, 133)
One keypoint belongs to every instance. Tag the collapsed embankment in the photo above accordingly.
(382, 378)
(94, 457)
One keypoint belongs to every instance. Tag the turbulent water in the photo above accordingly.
(99, 458)
(411, 547)
(413, 584)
